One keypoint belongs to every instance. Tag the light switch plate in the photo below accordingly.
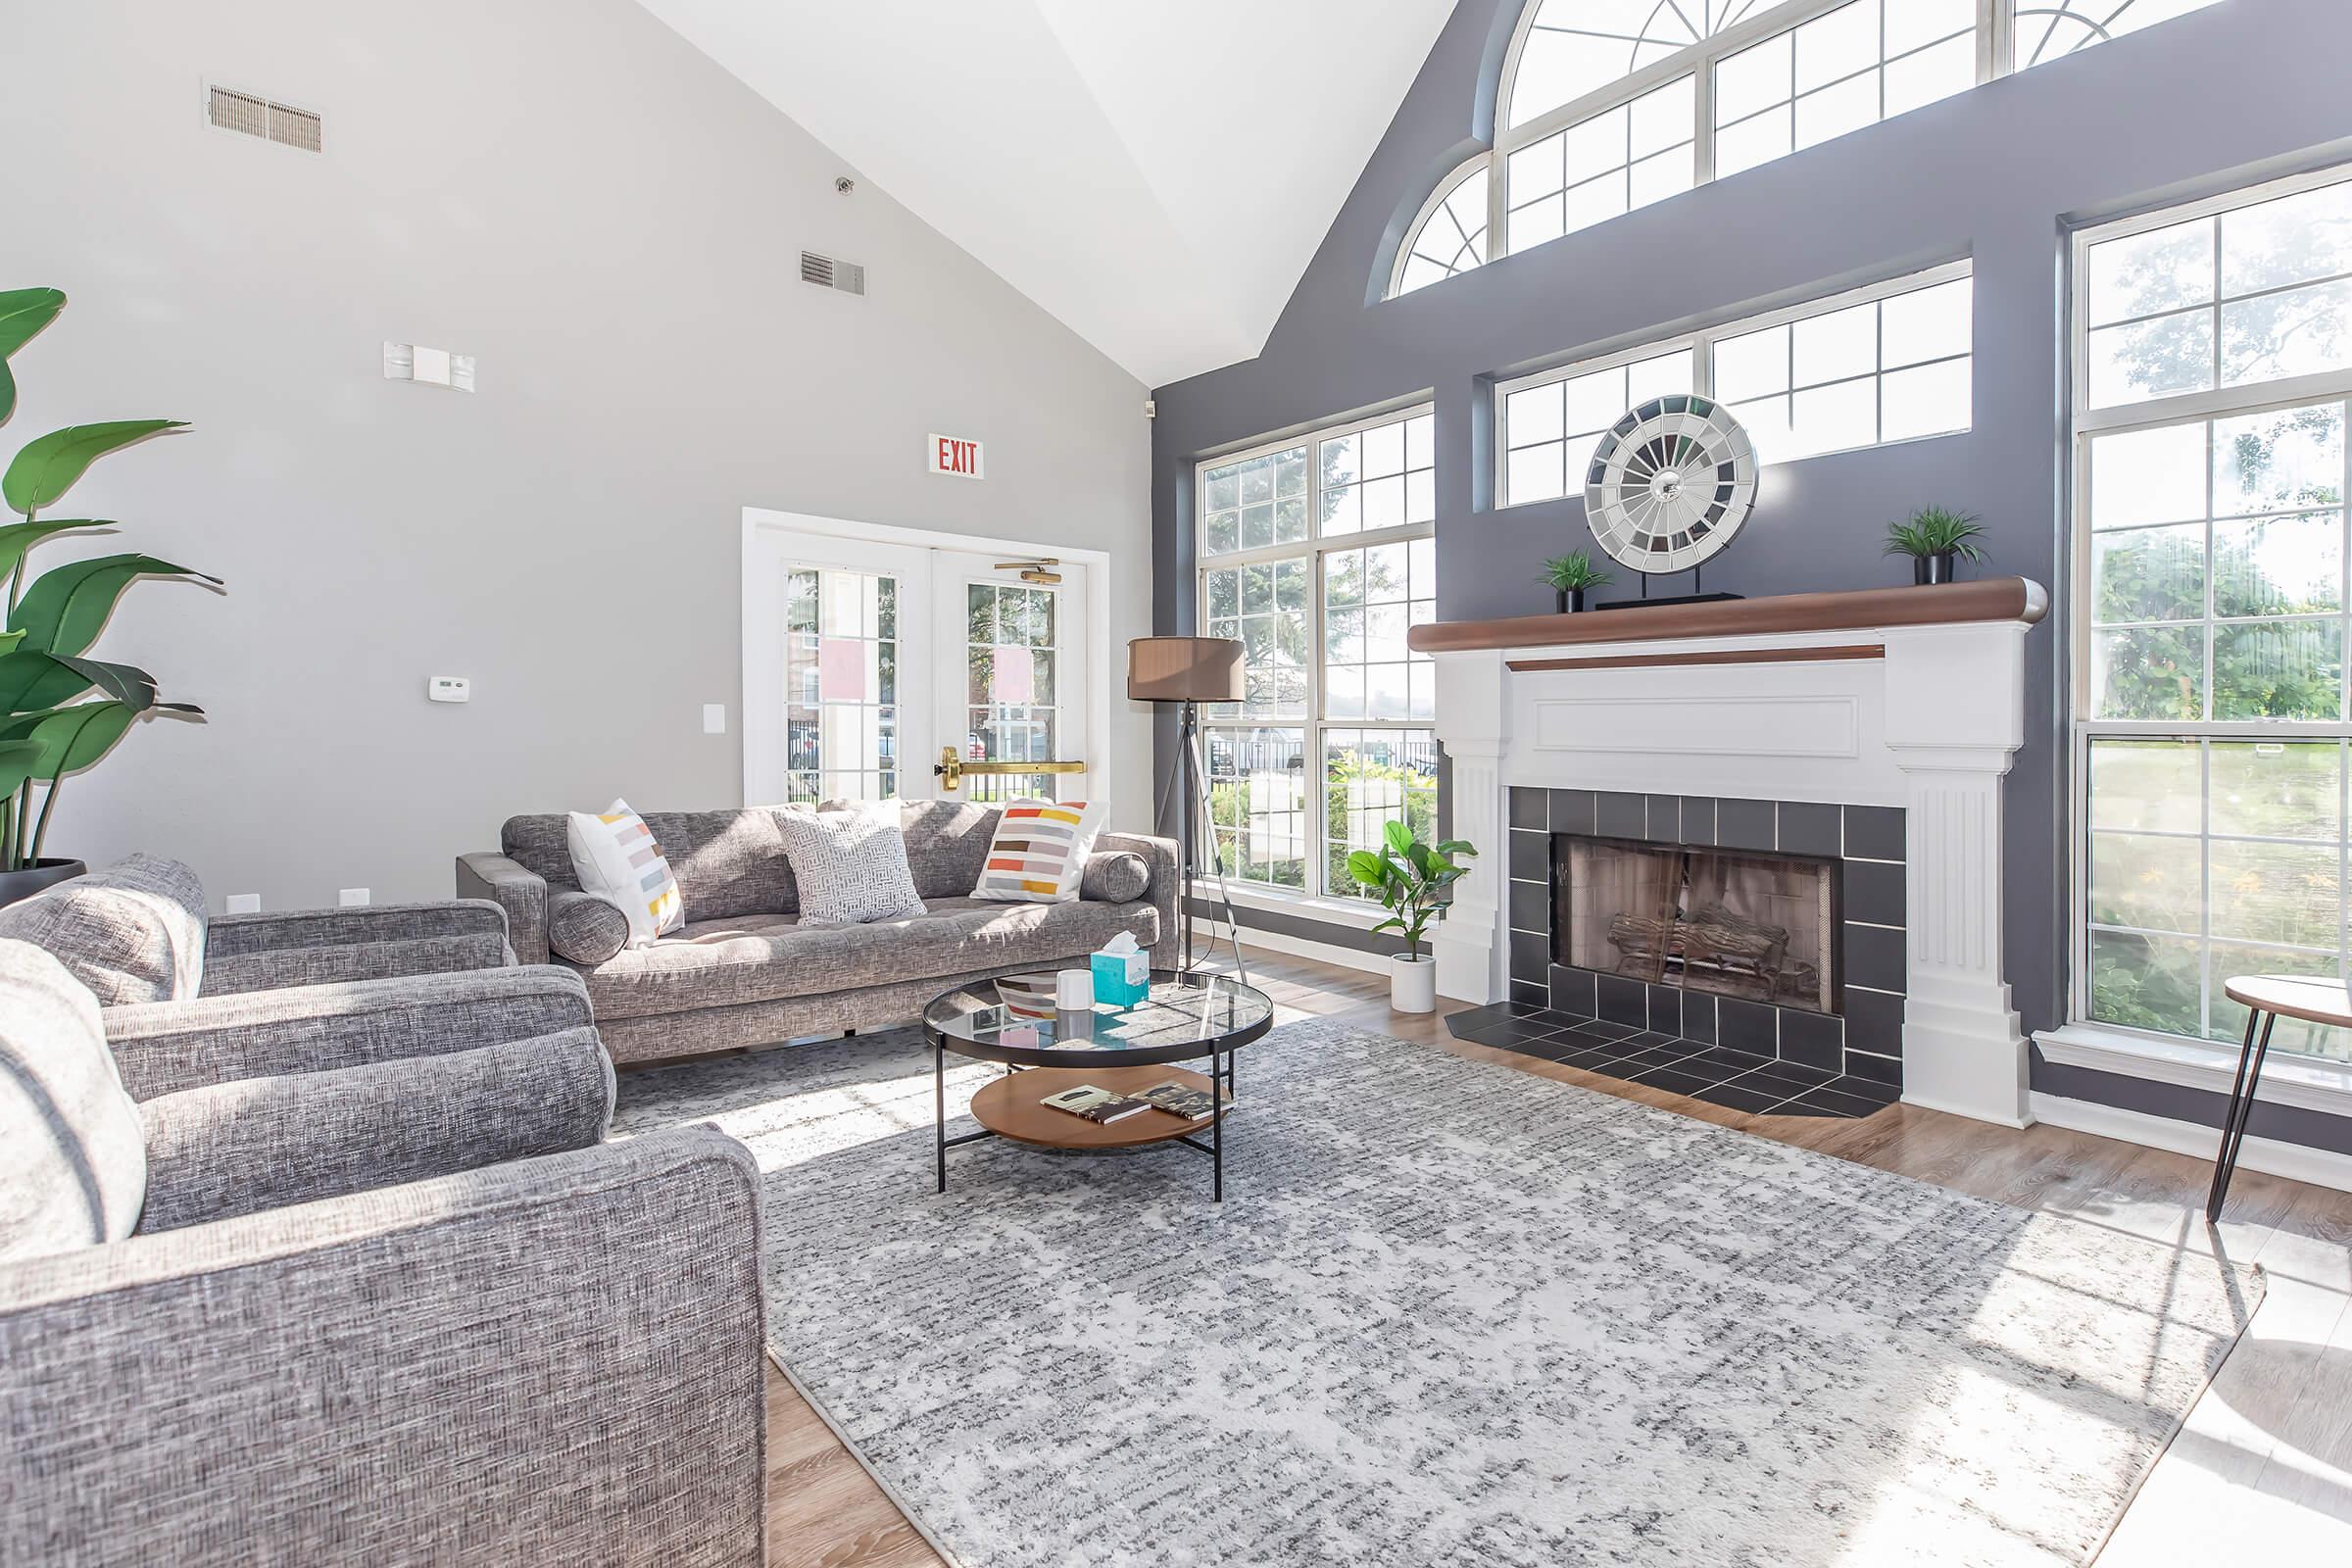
(352, 897)
(244, 903)
(449, 688)
(714, 718)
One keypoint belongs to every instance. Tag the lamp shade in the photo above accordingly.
(1185, 669)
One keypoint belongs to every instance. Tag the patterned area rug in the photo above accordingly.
(1449, 1313)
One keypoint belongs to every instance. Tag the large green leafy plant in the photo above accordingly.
(61, 710)
(1410, 878)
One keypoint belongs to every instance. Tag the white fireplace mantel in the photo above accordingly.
(1913, 698)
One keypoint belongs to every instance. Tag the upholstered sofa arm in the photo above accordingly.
(234, 936)
(238, 1147)
(344, 963)
(1161, 890)
(163, 1047)
(516, 889)
(407, 1375)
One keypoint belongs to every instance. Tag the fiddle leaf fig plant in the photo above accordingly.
(1410, 878)
(61, 711)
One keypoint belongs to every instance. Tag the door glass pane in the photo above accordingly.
(841, 650)
(1011, 686)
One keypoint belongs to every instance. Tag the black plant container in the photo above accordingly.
(1941, 567)
(16, 885)
(1568, 600)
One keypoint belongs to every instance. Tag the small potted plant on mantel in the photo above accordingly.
(1570, 575)
(1408, 878)
(1937, 539)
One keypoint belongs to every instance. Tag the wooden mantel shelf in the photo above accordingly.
(1857, 610)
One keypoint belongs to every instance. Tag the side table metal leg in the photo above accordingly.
(2241, 1107)
(939, 1109)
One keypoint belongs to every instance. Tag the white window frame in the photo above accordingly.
(1996, 57)
(2088, 423)
(1340, 903)
(1447, 185)
(1702, 345)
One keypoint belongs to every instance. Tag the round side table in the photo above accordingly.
(2267, 998)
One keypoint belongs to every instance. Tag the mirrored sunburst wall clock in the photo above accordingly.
(1670, 485)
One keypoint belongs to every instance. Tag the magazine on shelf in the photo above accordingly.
(1098, 1106)
(1182, 1099)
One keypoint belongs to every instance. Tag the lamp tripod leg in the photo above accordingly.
(1233, 926)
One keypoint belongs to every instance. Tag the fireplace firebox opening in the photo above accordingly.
(1762, 927)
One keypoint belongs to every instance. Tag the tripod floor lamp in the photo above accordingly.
(1188, 671)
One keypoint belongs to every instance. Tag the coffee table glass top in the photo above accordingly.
(1013, 1018)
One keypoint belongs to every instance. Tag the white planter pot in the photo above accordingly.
(1413, 984)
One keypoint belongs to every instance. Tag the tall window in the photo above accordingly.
(1890, 363)
(2213, 379)
(1012, 687)
(1610, 105)
(1317, 554)
(841, 675)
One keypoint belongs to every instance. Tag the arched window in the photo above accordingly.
(1609, 105)
(1450, 235)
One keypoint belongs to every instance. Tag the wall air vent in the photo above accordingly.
(251, 116)
(826, 273)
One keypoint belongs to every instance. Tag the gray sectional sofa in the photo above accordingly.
(745, 972)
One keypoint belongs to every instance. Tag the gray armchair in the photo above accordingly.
(506, 1342)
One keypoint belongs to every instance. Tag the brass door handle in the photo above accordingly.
(950, 767)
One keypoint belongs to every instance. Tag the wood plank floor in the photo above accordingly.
(2261, 1473)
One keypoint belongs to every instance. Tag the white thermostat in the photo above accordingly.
(448, 688)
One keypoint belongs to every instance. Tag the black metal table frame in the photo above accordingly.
(2241, 1107)
(1219, 1054)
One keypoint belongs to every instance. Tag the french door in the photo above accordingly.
(878, 670)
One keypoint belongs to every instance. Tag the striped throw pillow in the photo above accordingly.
(613, 853)
(1040, 851)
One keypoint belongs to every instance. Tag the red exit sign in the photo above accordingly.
(953, 455)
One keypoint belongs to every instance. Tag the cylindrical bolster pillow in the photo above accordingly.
(585, 928)
(1116, 877)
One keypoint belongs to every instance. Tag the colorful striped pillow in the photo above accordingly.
(1040, 851)
(614, 855)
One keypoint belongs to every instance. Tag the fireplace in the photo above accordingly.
(1759, 926)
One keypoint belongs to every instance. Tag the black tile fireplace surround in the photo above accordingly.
(1861, 1038)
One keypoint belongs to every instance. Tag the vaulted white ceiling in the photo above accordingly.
(1154, 175)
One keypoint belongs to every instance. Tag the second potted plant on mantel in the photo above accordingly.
(1570, 575)
(1937, 539)
(1408, 876)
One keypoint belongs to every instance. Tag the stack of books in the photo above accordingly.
(1098, 1105)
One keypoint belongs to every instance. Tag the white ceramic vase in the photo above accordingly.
(1413, 984)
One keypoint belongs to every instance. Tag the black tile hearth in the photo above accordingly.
(1735, 1079)
(1744, 824)
(1530, 856)
(1529, 993)
(1874, 1021)
(1531, 907)
(1873, 892)
(1698, 819)
(1874, 956)
(1666, 819)
(1573, 991)
(1531, 957)
(1622, 1001)
(1808, 829)
(1528, 808)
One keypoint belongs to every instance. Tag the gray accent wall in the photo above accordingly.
(2243, 91)
(611, 223)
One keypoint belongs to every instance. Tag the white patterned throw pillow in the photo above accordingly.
(1039, 853)
(850, 860)
(614, 855)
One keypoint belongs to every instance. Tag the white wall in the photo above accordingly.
(569, 191)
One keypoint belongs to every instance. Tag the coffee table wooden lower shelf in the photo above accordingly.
(1010, 1108)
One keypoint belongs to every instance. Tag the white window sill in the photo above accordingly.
(2304, 1082)
(1355, 913)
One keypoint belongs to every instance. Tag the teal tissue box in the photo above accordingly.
(1120, 982)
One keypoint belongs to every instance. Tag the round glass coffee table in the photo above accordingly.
(1011, 1019)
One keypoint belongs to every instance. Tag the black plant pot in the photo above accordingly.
(20, 885)
(1568, 600)
(1941, 567)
